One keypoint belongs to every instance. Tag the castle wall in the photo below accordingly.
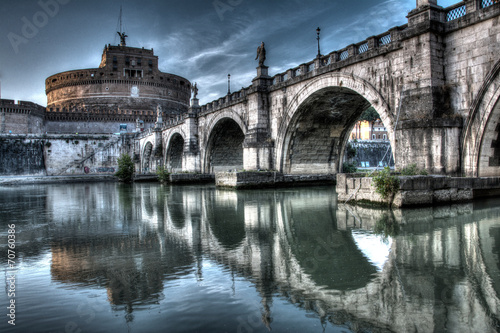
(90, 127)
(21, 117)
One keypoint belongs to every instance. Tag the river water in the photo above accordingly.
(110, 257)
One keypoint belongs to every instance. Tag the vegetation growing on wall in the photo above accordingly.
(163, 174)
(125, 168)
(386, 184)
(412, 170)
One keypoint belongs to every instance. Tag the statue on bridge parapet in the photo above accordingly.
(194, 89)
(159, 116)
(261, 54)
(194, 100)
(261, 69)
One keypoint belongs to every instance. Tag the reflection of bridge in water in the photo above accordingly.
(441, 273)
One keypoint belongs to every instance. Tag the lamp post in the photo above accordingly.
(317, 32)
(228, 84)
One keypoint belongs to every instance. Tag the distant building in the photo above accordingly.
(21, 117)
(126, 87)
(369, 130)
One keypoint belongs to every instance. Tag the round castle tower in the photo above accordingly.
(127, 86)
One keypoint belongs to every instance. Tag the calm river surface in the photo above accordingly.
(150, 258)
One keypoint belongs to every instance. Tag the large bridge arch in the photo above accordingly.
(315, 114)
(223, 146)
(481, 138)
(174, 151)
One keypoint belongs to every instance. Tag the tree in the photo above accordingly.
(125, 168)
(369, 115)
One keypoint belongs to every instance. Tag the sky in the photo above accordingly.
(200, 40)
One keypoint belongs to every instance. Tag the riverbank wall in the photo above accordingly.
(417, 190)
(57, 155)
(262, 179)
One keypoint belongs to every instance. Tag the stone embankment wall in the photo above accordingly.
(417, 190)
(260, 179)
(20, 155)
(54, 155)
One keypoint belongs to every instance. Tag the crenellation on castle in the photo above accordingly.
(21, 117)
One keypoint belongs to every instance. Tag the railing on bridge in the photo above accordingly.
(456, 12)
(344, 55)
(460, 9)
(487, 3)
(363, 48)
(384, 40)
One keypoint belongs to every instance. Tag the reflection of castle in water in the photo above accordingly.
(279, 240)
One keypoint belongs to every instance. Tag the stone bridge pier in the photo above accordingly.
(433, 81)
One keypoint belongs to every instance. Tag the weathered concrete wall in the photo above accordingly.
(21, 155)
(62, 154)
(85, 154)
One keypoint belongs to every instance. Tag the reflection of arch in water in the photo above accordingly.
(226, 218)
(329, 257)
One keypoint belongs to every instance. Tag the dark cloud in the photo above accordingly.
(200, 40)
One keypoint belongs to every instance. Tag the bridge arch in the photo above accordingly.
(174, 151)
(481, 138)
(146, 156)
(317, 116)
(224, 143)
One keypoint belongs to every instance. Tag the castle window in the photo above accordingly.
(114, 59)
(115, 67)
(132, 73)
(127, 61)
(139, 62)
(150, 62)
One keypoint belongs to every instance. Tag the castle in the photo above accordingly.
(122, 94)
(127, 87)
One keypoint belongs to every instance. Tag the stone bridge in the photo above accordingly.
(435, 82)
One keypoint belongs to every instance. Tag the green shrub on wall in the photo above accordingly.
(386, 184)
(412, 170)
(125, 168)
(349, 168)
(163, 174)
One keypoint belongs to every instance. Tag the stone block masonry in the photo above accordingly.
(417, 190)
(261, 179)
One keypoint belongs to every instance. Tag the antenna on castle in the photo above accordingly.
(120, 32)
(120, 19)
